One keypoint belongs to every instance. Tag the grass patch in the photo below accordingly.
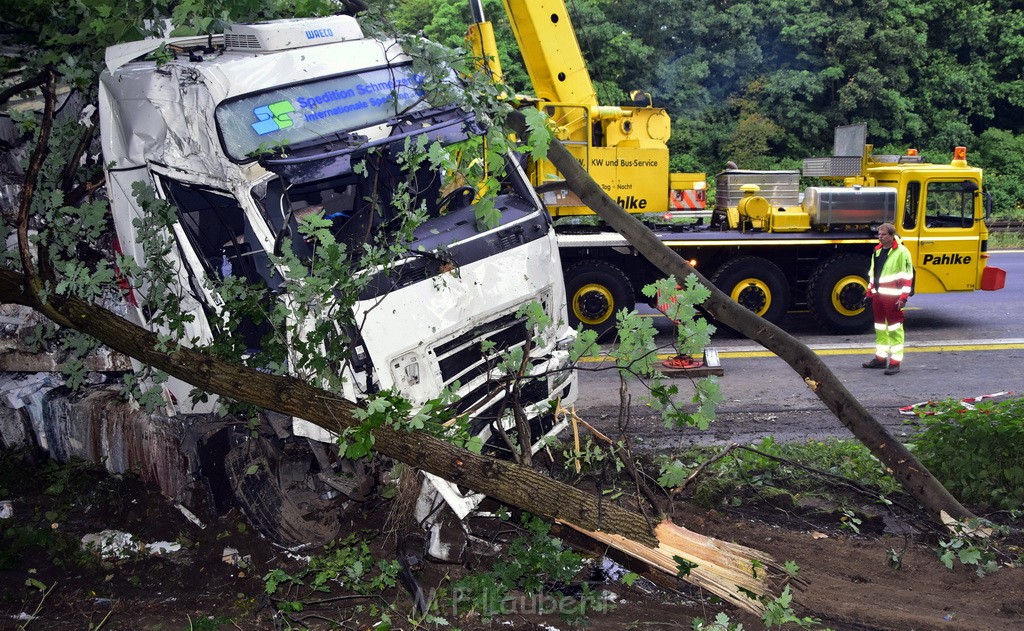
(1006, 241)
(816, 468)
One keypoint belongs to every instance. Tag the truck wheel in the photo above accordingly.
(757, 284)
(596, 290)
(835, 294)
(273, 488)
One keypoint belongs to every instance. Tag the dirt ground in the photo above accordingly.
(850, 584)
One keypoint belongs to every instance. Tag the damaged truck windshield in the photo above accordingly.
(313, 110)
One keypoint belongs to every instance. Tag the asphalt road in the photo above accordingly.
(958, 345)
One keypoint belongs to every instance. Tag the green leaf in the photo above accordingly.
(673, 474)
(540, 135)
(970, 556)
(475, 444)
(684, 567)
(947, 559)
(786, 597)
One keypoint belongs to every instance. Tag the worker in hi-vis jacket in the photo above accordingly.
(890, 283)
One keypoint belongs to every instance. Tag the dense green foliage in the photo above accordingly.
(760, 83)
(770, 467)
(765, 83)
(976, 453)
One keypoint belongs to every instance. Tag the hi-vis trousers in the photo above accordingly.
(889, 334)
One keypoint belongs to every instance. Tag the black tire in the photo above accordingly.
(595, 292)
(757, 284)
(835, 294)
(285, 511)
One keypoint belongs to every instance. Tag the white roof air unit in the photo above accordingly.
(286, 34)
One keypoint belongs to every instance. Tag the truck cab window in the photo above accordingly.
(361, 207)
(336, 200)
(911, 205)
(218, 234)
(216, 229)
(949, 205)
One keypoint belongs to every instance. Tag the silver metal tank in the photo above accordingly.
(846, 205)
(780, 188)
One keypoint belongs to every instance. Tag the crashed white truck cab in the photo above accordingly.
(339, 107)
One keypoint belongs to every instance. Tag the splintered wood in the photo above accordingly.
(735, 573)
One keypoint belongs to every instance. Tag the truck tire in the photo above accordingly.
(835, 294)
(595, 292)
(283, 509)
(757, 284)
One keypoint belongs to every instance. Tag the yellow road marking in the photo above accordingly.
(942, 348)
(851, 350)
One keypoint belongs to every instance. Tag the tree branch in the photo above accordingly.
(506, 481)
(35, 165)
(27, 84)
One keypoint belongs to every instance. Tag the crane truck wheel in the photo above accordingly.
(835, 294)
(596, 291)
(755, 283)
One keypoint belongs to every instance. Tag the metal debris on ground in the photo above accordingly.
(117, 544)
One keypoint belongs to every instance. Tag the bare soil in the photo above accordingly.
(850, 584)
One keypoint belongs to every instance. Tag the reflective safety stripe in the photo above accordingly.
(898, 276)
(889, 340)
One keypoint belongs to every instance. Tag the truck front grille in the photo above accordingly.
(466, 357)
(531, 392)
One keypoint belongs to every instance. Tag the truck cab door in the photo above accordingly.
(943, 218)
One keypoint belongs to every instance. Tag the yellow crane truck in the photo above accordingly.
(772, 247)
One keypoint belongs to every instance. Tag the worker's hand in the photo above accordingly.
(901, 304)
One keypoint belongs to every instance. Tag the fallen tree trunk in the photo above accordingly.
(721, 563)
(898, 460)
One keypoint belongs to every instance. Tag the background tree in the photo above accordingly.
(765, 83)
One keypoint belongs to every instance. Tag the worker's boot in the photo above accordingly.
(893, 369)
(874, 363)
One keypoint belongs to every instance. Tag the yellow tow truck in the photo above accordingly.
(768, 244)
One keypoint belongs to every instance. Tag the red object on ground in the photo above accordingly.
(682, 362)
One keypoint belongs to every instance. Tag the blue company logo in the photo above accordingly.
(271, 118)
(319, 33)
